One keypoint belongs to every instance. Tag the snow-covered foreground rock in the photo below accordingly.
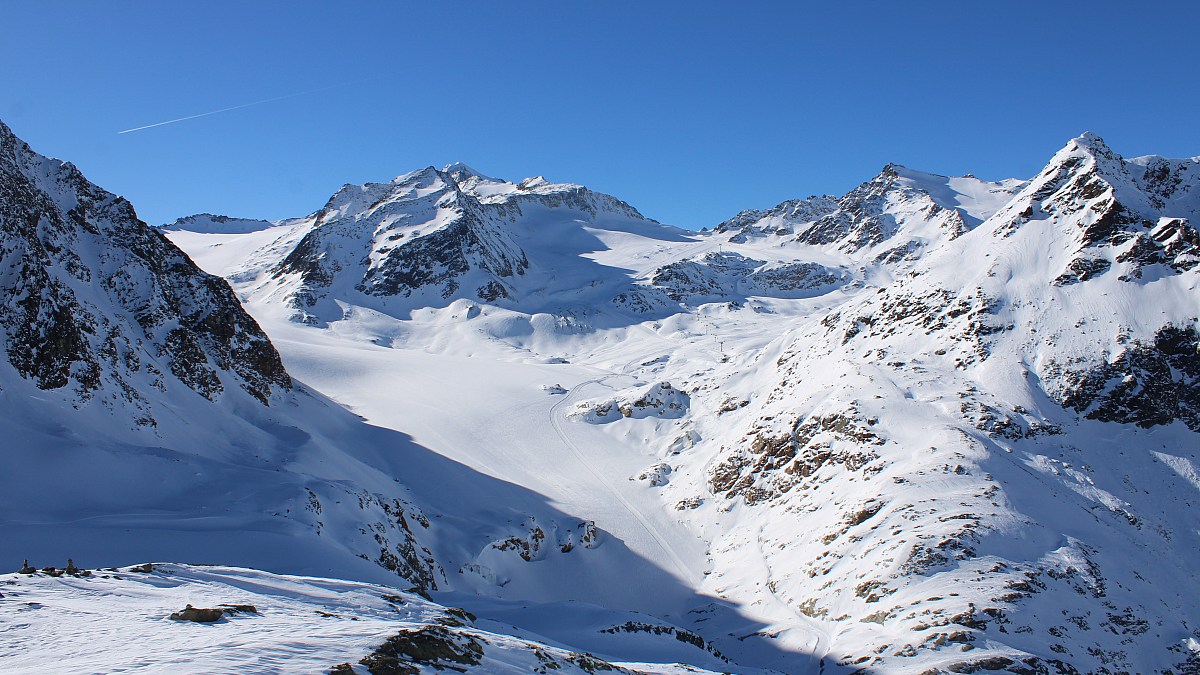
(936, 424)
(132, 620)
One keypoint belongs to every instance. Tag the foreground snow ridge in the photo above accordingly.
(129, 620)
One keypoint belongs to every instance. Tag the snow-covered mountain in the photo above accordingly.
(146, 415)
(97, 302)
(890, 218)
(208, 222)
(937, 424)
(432, 235)
(139, 397)
(991, 453)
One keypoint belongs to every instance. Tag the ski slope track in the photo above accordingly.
(936, 424)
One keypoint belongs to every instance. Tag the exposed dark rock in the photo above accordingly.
(679, 634)
(435, 646)
(746, 223)
(198, 614)
(774, 464)
(1147, 384)
(93, 298)
(726, 275)
(1082, 269)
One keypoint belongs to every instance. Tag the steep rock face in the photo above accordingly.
(868, 215)
(96, 300)
(1112, 228)
(1133, 217)
(393, 239)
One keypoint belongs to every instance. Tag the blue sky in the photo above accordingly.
(689, 111)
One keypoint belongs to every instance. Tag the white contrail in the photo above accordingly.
(236, 107)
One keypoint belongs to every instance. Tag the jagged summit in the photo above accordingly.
(432, 235)
(462, 172)
(459, 167)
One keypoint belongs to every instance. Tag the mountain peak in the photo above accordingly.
(459, 167)
(462, 173)
(1088, 143)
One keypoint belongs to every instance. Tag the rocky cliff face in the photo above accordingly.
(149, 373)
(418, 232)
(96, 301)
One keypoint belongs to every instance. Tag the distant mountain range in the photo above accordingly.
(937, 424)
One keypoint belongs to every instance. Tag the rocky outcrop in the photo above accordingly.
(95, 300)
(780, 220)
(732, 276)
(1148, 383)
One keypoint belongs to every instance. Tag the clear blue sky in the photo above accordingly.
(690, 111)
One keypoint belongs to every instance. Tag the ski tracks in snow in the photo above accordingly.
(557, 416)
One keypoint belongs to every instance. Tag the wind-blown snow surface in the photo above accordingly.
(280, 624)
(959, 433)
